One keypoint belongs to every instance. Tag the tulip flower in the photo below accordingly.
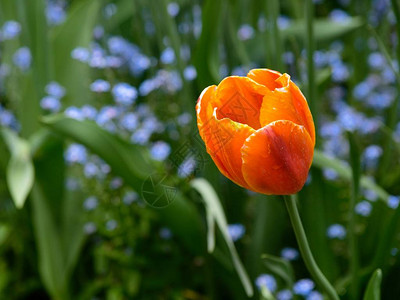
(259, 131)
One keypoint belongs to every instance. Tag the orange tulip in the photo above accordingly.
(259, 131)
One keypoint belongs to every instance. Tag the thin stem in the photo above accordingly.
(305, 250)
(354, 257)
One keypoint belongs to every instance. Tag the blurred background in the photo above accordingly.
(107, 192)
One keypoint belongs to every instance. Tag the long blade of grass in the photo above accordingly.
(213, 204)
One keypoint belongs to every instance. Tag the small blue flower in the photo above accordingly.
(288, 57)
(362, 90)
(336, 231)
(160, 150)
(50, 103)
(330, 174)
(376, 61)
(370, 195)
(239, 71)
(315, 295)
(138, 64)
(190, 73)
(105, 168)
(11, 29)
(303, 287)
(74, 113)
(129, 121)
(152, 124)
(371, 156)
(75, 153)
(22, 58)
(81, 54)
(110, 10)
(90, 203)
(167, 56)
(236, 231)
(55, 89)
(284, 295)
(72, 184)
(320, 59)
(165, 233)
(363, 208)
(100, 86)
(7, 119)
(117, 45)
(289, 253)
(55, 13)
(245, 32)
(340, 72)
(124, 93)
(147, 86)
(98, 59)
(90, 170)
(173, 9)
(339, 16)
(393, 201)
(111, 225)
(284, 22)
(130, 197)
(184, 119)
(98, 32)
(116, 183)
(331, 129)
(113, 61)
(89, 228)
(107, 114)
(187, 167)
(267, 281)
(89, 112)
(394, 251)
(141, 136)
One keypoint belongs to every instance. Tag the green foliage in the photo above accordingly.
(373, 291)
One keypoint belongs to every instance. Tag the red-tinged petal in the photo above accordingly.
(265, 77)
(240, 99)
(224, 140)
(302, 109)
(277, 158)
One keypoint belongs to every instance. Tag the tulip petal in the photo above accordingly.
(286, 102)
(265, 77)
(240, 99)
(277, 158)
(224, 140)
(205, 107)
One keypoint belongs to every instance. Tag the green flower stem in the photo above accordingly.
(305, 250)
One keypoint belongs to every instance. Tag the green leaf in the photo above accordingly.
(57, 218)
(280, 267)
(322, 160)
(76, 31)
(324, 29)
(213, 206)
(20, 171)
(266, 294)
(131, 162)
(373, 291)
